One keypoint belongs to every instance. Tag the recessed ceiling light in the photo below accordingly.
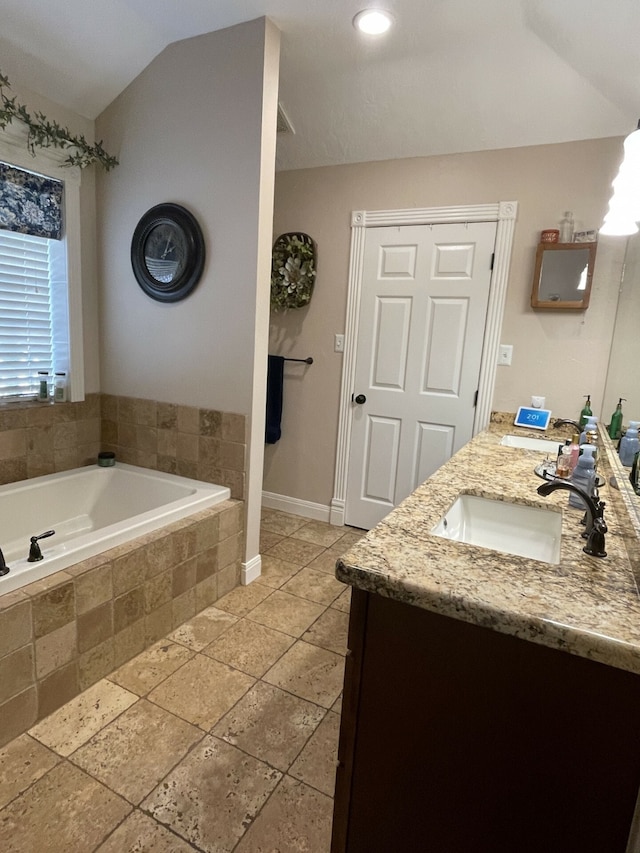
(373, 22)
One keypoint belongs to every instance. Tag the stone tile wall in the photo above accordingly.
(62, 634)
(42, 438)
(200, 443)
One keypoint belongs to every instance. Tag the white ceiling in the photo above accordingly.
(452, 76)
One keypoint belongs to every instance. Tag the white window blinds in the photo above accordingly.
(25, 313)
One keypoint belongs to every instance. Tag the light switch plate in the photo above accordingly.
(505, 354)
(338, 345)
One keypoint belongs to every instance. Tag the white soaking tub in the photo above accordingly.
(91, 510)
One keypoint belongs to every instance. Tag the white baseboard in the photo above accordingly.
(337, 512)
(251, 570)
(295, 506)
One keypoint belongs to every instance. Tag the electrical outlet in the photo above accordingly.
(505, 354)
(338, 345)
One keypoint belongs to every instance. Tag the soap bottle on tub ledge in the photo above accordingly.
(60, 387)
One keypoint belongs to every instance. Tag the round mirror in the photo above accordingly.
(167, 252)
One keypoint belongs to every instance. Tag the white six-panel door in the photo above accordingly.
(425, 291)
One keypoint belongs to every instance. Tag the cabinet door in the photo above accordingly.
(466, 740)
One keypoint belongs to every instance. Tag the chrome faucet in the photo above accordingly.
(4, 568)
(596, 527)
(562, 421)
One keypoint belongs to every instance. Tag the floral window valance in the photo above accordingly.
(29, 203)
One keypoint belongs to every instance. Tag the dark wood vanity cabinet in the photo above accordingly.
(459, 739)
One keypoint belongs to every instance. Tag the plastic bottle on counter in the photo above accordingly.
(591, 425)
(584, 475)
(566, 227)
(629, 443)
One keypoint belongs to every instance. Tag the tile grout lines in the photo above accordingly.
(295, 633)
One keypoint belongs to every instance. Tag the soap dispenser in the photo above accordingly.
(586, 411)
(584, 475)
(615, 427)
(591, 425)
(629, 443)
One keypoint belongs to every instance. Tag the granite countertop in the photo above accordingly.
(584, 605)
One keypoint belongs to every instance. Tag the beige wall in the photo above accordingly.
(196, 127)
(560, 355)
(78, 125)
(187, 130)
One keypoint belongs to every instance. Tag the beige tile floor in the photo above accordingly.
(221, 737)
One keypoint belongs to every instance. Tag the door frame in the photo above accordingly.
(504, 213)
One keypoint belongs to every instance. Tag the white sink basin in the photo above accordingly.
(541, 444)
(526, 531)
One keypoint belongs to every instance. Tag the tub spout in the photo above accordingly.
(35, 554)
(4, 568)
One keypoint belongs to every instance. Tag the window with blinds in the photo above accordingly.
(40, 274)
(26, 333)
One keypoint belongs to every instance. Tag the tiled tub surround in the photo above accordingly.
(42, 438)
(200, 443)
(221, 736)
(88, 511)
(60, 635)
(586, 606)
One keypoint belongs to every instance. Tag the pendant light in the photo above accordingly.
(624, 207)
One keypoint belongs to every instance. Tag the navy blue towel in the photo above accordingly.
(275, 377)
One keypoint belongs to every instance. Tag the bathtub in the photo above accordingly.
(91, 510)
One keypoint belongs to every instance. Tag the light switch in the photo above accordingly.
(338, 346)
(505, 354)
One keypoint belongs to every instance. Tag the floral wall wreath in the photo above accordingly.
(293, 271)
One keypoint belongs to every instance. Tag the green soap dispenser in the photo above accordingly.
(615, 427)
(586, 411)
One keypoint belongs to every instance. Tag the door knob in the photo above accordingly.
(360, 399)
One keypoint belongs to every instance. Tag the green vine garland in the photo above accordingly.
(49, 134)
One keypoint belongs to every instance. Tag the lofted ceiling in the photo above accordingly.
(452, 75)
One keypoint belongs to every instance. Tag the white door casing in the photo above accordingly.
(504, 215)
(422, 315)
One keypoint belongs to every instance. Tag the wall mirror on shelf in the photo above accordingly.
(562, 276)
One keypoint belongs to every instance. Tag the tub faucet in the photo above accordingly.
(596, 526)
(35, 554)
(563, 421)
(4, 568)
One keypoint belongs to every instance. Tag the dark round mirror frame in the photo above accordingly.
(182, 220)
